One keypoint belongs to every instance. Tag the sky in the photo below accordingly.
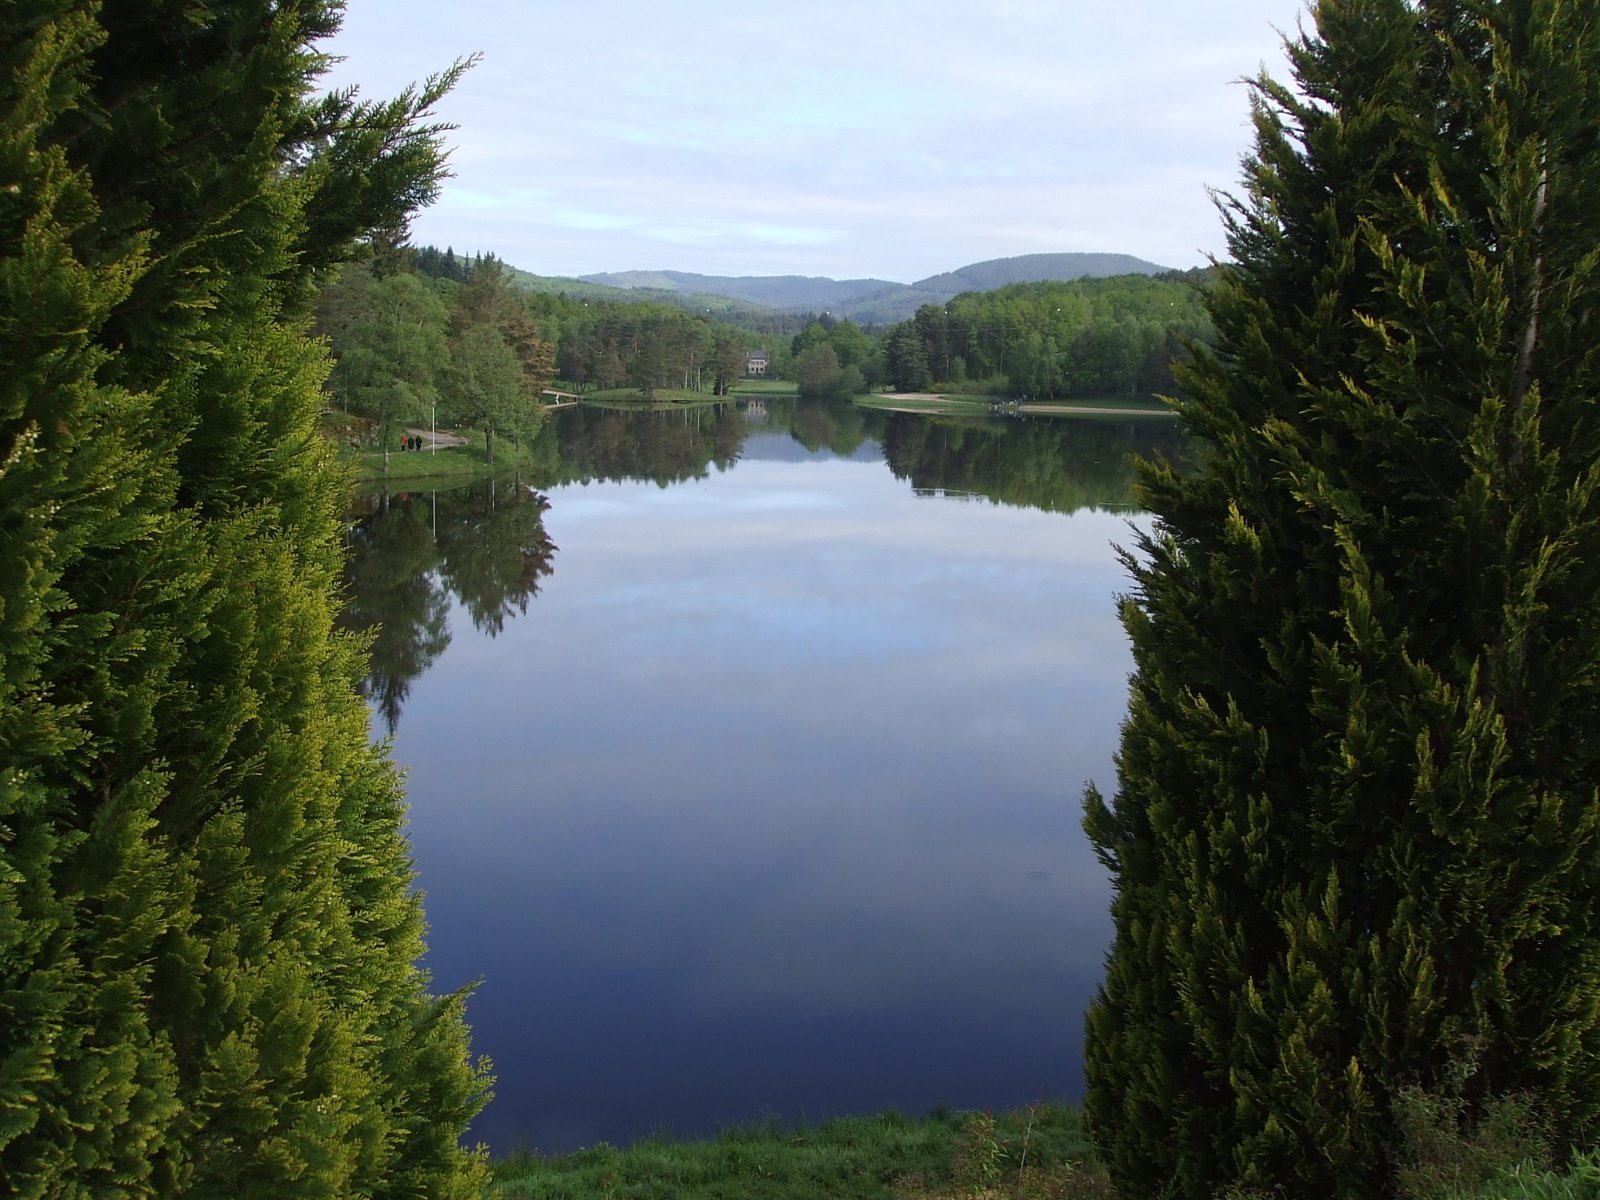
(892, 139)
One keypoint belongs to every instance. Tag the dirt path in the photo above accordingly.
(437, 437)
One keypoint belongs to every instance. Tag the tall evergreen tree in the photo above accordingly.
(207, 935)
(1354, 843)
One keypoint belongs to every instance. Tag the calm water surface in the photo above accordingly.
(745, 759)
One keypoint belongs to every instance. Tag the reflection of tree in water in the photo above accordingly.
(1058, 464)
(493, 551)
(391, 595)
(585, 443)
(409, 553)
(838, 425)
(1055, 464)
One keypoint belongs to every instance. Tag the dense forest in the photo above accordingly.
(1092, 337)
(427, 334)
(442, 335)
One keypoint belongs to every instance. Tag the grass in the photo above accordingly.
(766, 387)
(964, 406)
(1037, 1152)
(356, 437)
(660, 398)
(969, 405)
(460, 464)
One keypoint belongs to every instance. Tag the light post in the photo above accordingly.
(433, 427)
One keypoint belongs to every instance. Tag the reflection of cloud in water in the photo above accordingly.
(785, 766)
(576, 507)
(787, 502)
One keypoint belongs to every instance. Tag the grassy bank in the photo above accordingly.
(660, 398)
(762, 389)
(1034, 1152)
(448, 464)
(925, 402)
(951, 404)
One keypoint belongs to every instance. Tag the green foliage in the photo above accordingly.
(647, 346)
(1356, 825)
(1038, 1153)
(390, 345)
(728, 362)
(485, 386)
(1055, 465)
(408, 349)
(1091, 337)
(1448, 1152)
(818, 374)
(207, 930)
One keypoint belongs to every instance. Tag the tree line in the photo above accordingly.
(412, 348)
(1096, 337)
(1085, 338)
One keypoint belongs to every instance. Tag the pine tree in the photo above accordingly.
(207, 931)
(1354, 845)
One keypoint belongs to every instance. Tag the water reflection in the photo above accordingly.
(584, 444)
(1055, 463)
(410, 552)
(1049, 463)
(485, 544)
(770, 803)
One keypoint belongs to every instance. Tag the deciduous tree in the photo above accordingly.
(484, 385)
(391, 352)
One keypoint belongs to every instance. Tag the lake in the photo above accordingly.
(745, 752)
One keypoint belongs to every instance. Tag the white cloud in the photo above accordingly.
(895, 140)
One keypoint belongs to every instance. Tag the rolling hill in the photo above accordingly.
(875, 301)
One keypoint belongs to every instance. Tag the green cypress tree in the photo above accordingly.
(1354, 843)
(207, 934)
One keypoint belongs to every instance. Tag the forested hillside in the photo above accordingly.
(438, 336)
(599, 344)
(1034, 268)
(867, 301)
(791, 292)
(1094, 337)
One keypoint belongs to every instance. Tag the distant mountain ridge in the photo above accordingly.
(775, 291)
(1035, 268)
(879, 301)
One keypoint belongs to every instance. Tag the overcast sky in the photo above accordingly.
(892, 138)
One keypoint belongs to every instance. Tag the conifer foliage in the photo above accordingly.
(207, 931)
(1354, 841)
